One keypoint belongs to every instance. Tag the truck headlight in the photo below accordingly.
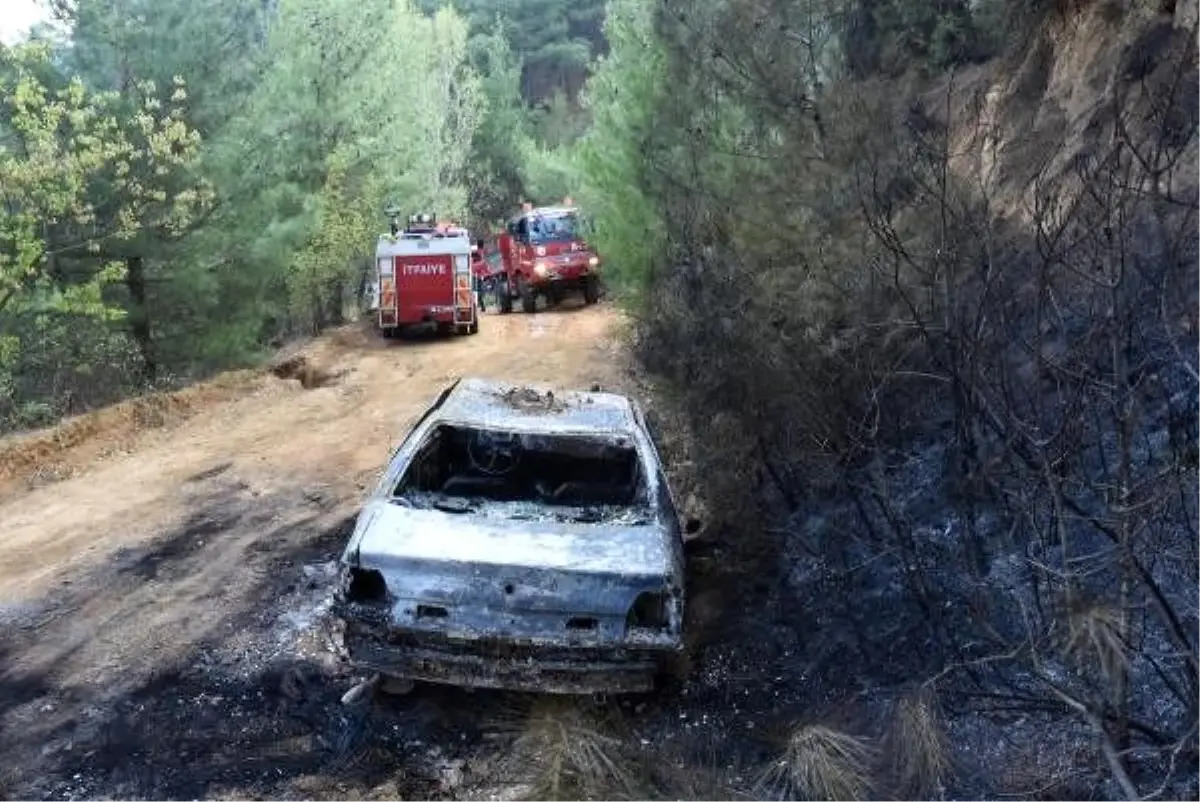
(539, 268)
(594, 261)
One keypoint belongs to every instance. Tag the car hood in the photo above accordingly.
(389, 534)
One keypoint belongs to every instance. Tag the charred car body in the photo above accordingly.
(518, 539)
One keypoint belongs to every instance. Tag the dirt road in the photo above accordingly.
(154, 604)
(275, 436)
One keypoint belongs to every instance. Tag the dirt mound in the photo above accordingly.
(356, 336)
(301, 368)
(42, 452)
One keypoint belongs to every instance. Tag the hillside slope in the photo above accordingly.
(1043, 116)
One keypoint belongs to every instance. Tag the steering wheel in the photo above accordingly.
(494, 453)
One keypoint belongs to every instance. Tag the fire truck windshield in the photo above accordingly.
(553, 228)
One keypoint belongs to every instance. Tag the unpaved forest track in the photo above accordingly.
(144, 599)
(276, 435)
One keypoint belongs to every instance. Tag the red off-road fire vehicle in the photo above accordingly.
(423, 276)
(545, 254)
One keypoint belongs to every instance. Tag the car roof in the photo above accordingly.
(534, 408)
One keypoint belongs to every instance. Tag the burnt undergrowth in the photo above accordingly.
(947, 409)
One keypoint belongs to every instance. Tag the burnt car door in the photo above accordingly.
(667, 503)
(665, 500)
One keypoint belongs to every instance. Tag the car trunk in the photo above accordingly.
(540, 580)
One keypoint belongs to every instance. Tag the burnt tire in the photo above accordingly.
(591, 290)
(528, 296)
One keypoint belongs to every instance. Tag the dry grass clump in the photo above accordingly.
(819, 763)
(1094, 637)
(916, 745)
(566, 751)
(911, 758)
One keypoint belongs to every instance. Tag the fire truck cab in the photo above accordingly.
(423, 276)
(545, 254)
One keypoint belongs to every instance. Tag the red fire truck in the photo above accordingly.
(545, 254)
(423, 276)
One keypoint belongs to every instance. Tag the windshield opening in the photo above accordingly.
(575, 477)
(554, 228)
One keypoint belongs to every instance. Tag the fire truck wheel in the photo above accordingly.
(528, 296)
(591, 290)
(504, 296)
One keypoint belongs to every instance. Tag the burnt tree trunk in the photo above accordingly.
(139, 315)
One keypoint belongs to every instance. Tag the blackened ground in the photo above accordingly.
(253, 708)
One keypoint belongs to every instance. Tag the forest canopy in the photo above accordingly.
(185, 186)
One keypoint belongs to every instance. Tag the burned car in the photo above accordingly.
(519, 539)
